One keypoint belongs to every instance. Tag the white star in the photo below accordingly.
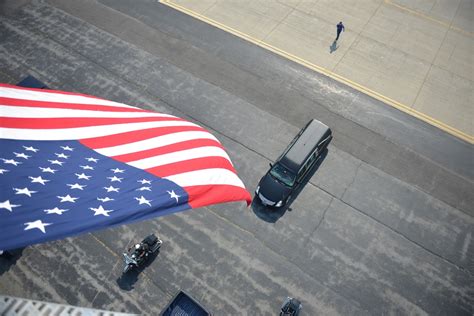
(61, 155)
(115, 179)
(6, 205)
(92, 159)
(2, 171)
(106, 199)
(141, 200)
(37, 224)
(100, 211)
(144, 189)
(173, 195)
(55, 211)
(21, 155)
(111, 189)
(67, 198)
(117, 170)
(38, 180)
(76, 186)
(11, 161)
(56, 162)
(31, 149)
(87, 167)
(24, 191)
(82, 176)
(143, 181)
(67, 148)
(48, 170)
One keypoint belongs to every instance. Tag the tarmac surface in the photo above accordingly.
(414, 55)
(384, 225)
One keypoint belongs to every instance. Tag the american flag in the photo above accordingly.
(72, 163)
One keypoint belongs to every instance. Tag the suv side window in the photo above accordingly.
(303, 171)
(324, 143)
(308, 164)
(315, 154)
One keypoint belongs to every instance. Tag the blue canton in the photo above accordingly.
(54, 189)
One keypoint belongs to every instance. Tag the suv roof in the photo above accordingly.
(303, 147)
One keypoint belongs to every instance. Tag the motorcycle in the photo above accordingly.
(137, 255)
(291, 307)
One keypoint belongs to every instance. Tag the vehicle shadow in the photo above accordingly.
(126, 281)
(273, 214)
(9, 258)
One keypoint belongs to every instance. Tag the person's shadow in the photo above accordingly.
(126, 281)
(273, 214)
(333, 47)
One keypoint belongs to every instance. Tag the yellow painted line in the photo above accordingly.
(427, 17)
(105, 246)
(355, 85)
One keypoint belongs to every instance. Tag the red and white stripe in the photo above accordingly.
(161, 144)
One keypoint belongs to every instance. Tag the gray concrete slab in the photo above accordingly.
(417, 216)
(388, 48)
(278, 89)
(380, 268)
(372, 232)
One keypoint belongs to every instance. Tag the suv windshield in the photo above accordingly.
(283, 175)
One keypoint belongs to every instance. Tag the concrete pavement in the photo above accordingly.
(384, 226)
(413, 55)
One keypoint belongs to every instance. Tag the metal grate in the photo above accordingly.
(13, 306)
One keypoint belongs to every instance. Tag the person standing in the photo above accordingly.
(340, 28)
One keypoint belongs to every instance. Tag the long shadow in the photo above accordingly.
(126, 281)
(9, 258)
(273, 214)
(333, 47)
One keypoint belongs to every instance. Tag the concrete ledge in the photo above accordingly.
(13, 306)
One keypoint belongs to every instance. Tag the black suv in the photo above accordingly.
(287, 173)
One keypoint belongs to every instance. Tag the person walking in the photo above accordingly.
(340, 28)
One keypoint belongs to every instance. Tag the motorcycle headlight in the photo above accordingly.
(257, 189)
(280, 203)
